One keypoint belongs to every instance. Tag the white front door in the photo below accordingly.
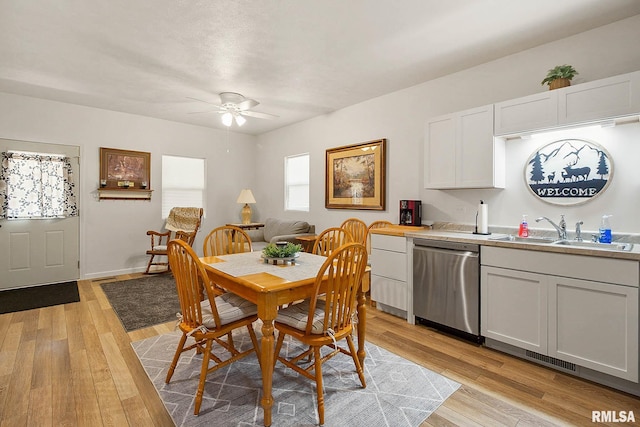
(40, 251)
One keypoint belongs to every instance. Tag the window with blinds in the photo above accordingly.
(183, 183)
(296, 182)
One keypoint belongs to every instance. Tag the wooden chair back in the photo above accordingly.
(226, 240)
(191, 283)
(338, 282)
(330, 240)
(357, 228)
(372, 226)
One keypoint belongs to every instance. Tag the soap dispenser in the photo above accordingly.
(605, 229)
(523, 231)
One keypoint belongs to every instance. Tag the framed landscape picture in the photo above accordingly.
(355, 176)
(123, 169)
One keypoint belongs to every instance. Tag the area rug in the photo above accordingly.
(143, 302)
(38, 297)
(398, 392)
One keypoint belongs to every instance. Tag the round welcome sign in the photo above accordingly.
(568, 171)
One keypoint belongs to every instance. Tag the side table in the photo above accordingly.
(250, 226)
(307, 241)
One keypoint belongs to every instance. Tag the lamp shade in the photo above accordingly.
(246, 196)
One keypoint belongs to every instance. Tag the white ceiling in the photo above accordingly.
(299, 58)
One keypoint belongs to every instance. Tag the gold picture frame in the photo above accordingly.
(355, 176)
(124, 169)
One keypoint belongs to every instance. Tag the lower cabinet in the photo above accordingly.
(585, 322)
(514, 308)
(389, 285)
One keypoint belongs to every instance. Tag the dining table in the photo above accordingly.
(272, 285)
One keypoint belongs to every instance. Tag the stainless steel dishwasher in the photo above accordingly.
(446, 286)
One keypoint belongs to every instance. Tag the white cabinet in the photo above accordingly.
(561, 306)
(460, 151)
(594, 101)
(601, 99)
(514, 308)
(529, 113)
(594, 325)
(389, 285)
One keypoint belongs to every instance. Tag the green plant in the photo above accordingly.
(560, 72)
(273, 250)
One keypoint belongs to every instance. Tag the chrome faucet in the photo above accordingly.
(561, 229)
(578, 237)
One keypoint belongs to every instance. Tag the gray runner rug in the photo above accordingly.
(398, 392)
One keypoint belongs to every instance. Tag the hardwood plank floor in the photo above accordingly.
(73, 365)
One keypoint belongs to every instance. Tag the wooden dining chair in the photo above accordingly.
(330, 240)
(209, 320)
(226, 240)
(357, 228)
(325, 319)
(372, 226)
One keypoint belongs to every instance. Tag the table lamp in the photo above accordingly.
(246, 197)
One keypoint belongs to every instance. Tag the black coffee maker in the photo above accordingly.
(410, 212)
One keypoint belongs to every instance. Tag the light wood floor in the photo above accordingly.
(73, 365)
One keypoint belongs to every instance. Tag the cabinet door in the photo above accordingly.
(389, 292)
(594, 325)
(440, 153)
(389, 264)
(514, 308)
(476, 160)
(606, 98)
(460, 151)
(534, 112)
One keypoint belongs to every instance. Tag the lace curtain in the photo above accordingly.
(36, 186)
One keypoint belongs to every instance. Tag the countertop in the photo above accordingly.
(489, 240)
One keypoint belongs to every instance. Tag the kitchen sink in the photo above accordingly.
(625, 247)
(622, 247)
(512, 238)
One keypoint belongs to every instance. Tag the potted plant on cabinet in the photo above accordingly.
(559, 76)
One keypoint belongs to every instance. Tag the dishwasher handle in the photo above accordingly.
(445, 244)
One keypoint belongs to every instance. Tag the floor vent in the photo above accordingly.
(551, 361)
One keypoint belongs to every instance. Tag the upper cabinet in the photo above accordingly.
(460, 151)
(599, 100)
(602, 99)
(539, 111)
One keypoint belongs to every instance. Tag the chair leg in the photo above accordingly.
(203, 376)
(149, 264)
(279, 342)
(254, 340)
(354, 356)
(176, 356)
(319, 386)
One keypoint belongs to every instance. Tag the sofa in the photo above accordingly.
(279, 230)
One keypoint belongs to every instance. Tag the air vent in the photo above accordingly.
(551, 361)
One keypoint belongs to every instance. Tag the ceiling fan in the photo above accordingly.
(234, 107)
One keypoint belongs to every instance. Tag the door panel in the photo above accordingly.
(39, 251)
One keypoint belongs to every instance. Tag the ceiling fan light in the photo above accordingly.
(240, 120)
(227, 119)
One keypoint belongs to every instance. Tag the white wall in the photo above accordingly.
(113, 232)
(400, 117)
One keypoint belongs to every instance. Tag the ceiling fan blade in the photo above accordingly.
(206, 111)
(258, 115)
(201, 100)
(247, 104)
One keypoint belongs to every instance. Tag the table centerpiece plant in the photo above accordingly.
(281, 250)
